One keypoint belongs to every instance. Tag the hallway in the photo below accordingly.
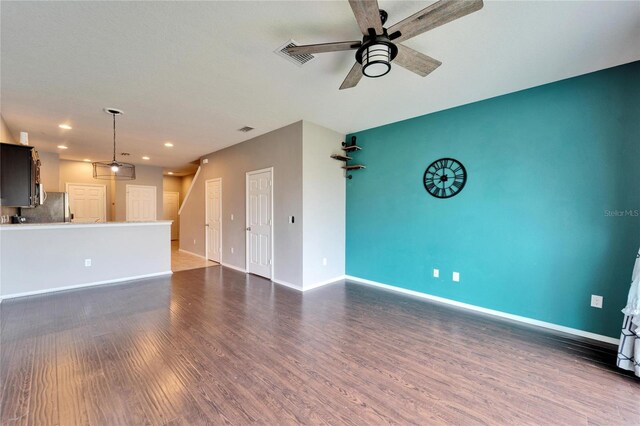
(182, 261)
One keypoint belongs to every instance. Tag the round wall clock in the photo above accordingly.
(445, 178)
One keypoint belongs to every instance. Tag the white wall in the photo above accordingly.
(323, 205)
(5, 133)
(37, 258)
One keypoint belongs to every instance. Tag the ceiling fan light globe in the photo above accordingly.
(376, 60)
(115, 168)
(376, 69)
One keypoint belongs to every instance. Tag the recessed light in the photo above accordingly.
(170, 173)
(65, 126)
(168, 144)
(62, 147)
(86, 160)
(145, 158)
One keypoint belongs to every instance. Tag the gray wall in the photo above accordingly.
(280, 149)
(145, 175)
(174, 184)
(34, 260)
(323, 201)
(186, 184)
(49, 171)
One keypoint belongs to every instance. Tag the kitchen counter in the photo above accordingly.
(23, 226)
(44, 257)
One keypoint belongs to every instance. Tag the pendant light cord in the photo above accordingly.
(114, 138)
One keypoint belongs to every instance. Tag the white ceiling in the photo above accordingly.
(193, 73)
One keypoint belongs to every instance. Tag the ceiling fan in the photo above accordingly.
(380, 46)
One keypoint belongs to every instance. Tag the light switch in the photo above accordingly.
(456, 277)
(436, 273)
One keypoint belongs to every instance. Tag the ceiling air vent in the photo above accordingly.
(299, 60)
(245, 129)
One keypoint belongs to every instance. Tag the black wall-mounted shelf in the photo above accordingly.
(349, 148)
(354, 167)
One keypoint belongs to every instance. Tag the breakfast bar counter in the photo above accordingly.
(40, 258)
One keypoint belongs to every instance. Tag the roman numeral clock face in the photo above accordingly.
(445, 178)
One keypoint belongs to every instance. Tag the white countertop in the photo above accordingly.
(32, 226)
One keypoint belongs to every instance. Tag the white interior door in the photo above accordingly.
(87, 202)
(170, 207)
(213, 215)
(260, 223)
(141, 203)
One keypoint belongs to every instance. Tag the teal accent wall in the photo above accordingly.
(529, 233)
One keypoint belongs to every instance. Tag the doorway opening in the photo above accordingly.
(170, 207)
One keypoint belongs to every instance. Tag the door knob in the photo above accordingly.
(248, 228)
(206, 224)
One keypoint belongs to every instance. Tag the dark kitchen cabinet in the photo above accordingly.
(17, 176)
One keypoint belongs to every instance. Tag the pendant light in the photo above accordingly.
(113, 170)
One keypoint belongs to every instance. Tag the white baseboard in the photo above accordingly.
(501, 314)
(323, 283)
(191, 253)
(91, 284)
(227, 265)
(287, 284)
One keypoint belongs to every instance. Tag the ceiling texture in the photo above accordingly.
(192, 73)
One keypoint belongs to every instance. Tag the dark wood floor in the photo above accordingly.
(215, 346)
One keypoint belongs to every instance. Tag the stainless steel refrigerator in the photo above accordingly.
(54, 209)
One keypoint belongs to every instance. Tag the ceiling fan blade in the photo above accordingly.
(415, 61)
(367, 15)
(353, 77)
(433, 16)
(323, 47)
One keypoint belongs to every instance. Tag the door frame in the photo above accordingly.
(206, 217)
(246, 219)
(177, 194)
(104, 187)
(126, 200)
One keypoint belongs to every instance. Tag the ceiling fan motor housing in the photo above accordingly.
(376, 53)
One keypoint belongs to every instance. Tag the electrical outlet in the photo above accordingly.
(194, 241)
(456, 277)
(324, 261)
(597, 301)
(231, 250)
(231, 216)
(436, 273)
(87, 262)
